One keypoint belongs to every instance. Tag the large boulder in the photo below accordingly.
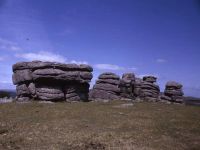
(173, 85)
(34, 65)
(52, 81)
(149, 89)
(106, 87)
(174, 91)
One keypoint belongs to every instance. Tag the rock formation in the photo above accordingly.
(106, 87)
(51, 81)
(149, 89)
(173, 92)
(127, 86)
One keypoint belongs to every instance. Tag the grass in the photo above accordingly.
(63, 126)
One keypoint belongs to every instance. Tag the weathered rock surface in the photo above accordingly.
(22, 76)
(52, 81)
(137, 87)
(127, 85)
(174, 92)
(49, 92)
(106, 87)
(149, 89)
(150, 79)
(22, 90)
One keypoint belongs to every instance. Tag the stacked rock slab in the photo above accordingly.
(149, 89)
(51, 81)
(106, 87)
(173, 92)
(137, 87)
(127, 86)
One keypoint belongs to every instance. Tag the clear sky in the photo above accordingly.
(147, 37)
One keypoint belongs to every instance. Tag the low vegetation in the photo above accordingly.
(113, 125)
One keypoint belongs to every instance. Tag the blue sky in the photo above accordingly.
(154, 37)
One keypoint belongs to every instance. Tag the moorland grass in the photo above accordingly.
(92, 125)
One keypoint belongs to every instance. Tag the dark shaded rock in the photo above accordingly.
(76, 92)
(165, 98)
(127, 85)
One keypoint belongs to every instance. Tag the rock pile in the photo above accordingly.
(51, 81)
(106, 87)
(149, 89)
(127, 85)
(173, 92)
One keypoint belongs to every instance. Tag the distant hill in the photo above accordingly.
(192, 101)
(7, 93)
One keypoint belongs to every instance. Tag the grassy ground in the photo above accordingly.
(63, 126)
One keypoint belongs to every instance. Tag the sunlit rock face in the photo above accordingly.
(173, 92)
(106, 87)
(52, 81)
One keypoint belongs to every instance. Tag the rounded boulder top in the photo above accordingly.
(109, 75)
(150, 79)
(128, 76)
(173, 84)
